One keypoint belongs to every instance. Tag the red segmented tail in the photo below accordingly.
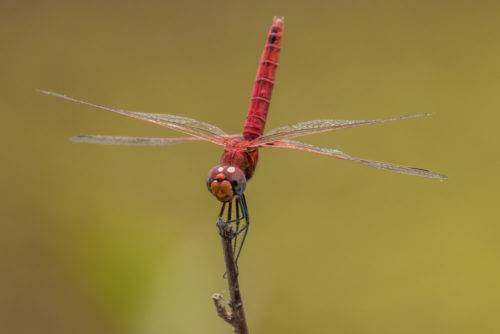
(264, 82)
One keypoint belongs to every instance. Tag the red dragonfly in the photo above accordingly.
(227, 180)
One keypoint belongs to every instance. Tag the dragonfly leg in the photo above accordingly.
(221, 213)
(237, 222)
(244, 210)
(224, 225)
(220, 220)
(229, 211)
(225, 229)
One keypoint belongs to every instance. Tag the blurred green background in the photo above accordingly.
(98, 239)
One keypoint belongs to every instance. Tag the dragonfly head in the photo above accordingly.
(225, 182)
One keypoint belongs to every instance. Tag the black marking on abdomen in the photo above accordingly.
(272, 38)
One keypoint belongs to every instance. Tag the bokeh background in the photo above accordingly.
(98, 239)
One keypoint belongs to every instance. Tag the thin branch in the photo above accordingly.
(235, 317)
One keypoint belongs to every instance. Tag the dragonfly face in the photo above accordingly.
(226, 182)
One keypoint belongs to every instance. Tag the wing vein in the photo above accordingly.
(131, 141)
(319, 126)
(182, 124)
(408, 170)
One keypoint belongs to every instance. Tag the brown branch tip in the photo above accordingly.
(221, 309)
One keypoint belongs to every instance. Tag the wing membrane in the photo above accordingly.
(318, 126)
(340, 155)
(182, 124)
(132, 141)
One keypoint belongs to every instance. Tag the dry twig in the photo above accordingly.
(235, 317)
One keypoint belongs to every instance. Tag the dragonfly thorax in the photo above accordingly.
(226, 182)
(243, 157)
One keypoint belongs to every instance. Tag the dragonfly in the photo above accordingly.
(227, 181)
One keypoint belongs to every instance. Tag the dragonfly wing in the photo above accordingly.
(132, 141)
(338, 154)
(318, 126)
(182, 124)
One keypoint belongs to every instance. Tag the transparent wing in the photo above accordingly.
(318, 126)
(182, 124)
(338, 154)
(132, 141)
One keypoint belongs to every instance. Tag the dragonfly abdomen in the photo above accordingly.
(264, 83)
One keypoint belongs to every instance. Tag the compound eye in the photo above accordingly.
(237, 179)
